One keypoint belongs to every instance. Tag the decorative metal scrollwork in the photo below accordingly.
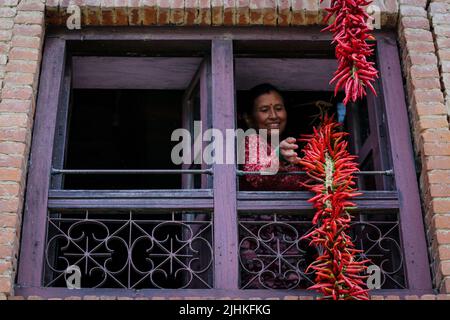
(132, 250)
(273, 256)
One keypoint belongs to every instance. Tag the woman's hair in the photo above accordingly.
(257, 91)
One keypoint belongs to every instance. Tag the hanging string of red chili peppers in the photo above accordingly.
(330, 168)
(350, 32)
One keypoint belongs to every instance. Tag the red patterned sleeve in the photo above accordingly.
(262, 161)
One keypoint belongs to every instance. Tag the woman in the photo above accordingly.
(266, 110)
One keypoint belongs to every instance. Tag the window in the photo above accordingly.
(102, 194)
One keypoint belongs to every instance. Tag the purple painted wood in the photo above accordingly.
(156, 73)
(412, 227)
(309, 74)
(226, 270)
(61, 130)
(205, 112)
(279, 201)
(311, 34)
(33, 240)
(185, 293)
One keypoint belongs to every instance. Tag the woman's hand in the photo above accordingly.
(287, 147)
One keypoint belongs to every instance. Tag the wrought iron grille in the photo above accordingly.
(273, 256)
(130, 249)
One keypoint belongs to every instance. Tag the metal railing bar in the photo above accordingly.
(244, 173)
(132, 171)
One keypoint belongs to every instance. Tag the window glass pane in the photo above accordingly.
(123, 113)
(123, 129)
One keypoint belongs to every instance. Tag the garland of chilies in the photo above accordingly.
(330, 168)
(350, 32)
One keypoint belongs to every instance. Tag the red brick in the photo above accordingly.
(229, 12)
(425, 83)
(432, 122)
(20, 93)
(6, 251)
(107, 16)
(9, 189)
(5, 35)
(415, 22)
(26, 42)
(442, 30)
(427, 96)
(439, 176)
(190, 12)
(445, 286)
(31, 5)
(12, 147)
(417, 35)
(417, 3)
(29, 17)
(22, 66)
(418, 46)
(412, 11)
(11, 105)
(436, 149)
(121, 12)
(7, 235)
(24, 54)
(6, 23)
(445, 268)
(9, 205)
(437, 162)
(13, 120)
(177, 12)
(425, 109)
(5, 284)
(443, 237)
(444, 252)
(422, 58)
(9, 3)
(439, 190)
(19, 78)
(426, 71)
(13, 161)
(5, 265)
(13, 134)
(204, 13)
(7, 12)
(298, 13)
(163, 12)
(217, 12)
(149, 12)
(134, 14)
(243, 12)
(8, 221)
(270, 13)
(284, 13)
(443, 43)
(440, 205)
(10, 174)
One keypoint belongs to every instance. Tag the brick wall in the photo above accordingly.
(423, 33)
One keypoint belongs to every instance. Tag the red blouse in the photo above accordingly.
(254, 161)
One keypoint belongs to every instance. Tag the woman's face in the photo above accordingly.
(269, 112)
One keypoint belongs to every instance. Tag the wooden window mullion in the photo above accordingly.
(225, 217)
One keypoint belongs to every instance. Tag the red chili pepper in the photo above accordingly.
(338, 274)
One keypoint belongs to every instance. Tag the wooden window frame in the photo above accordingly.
(53, 86)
